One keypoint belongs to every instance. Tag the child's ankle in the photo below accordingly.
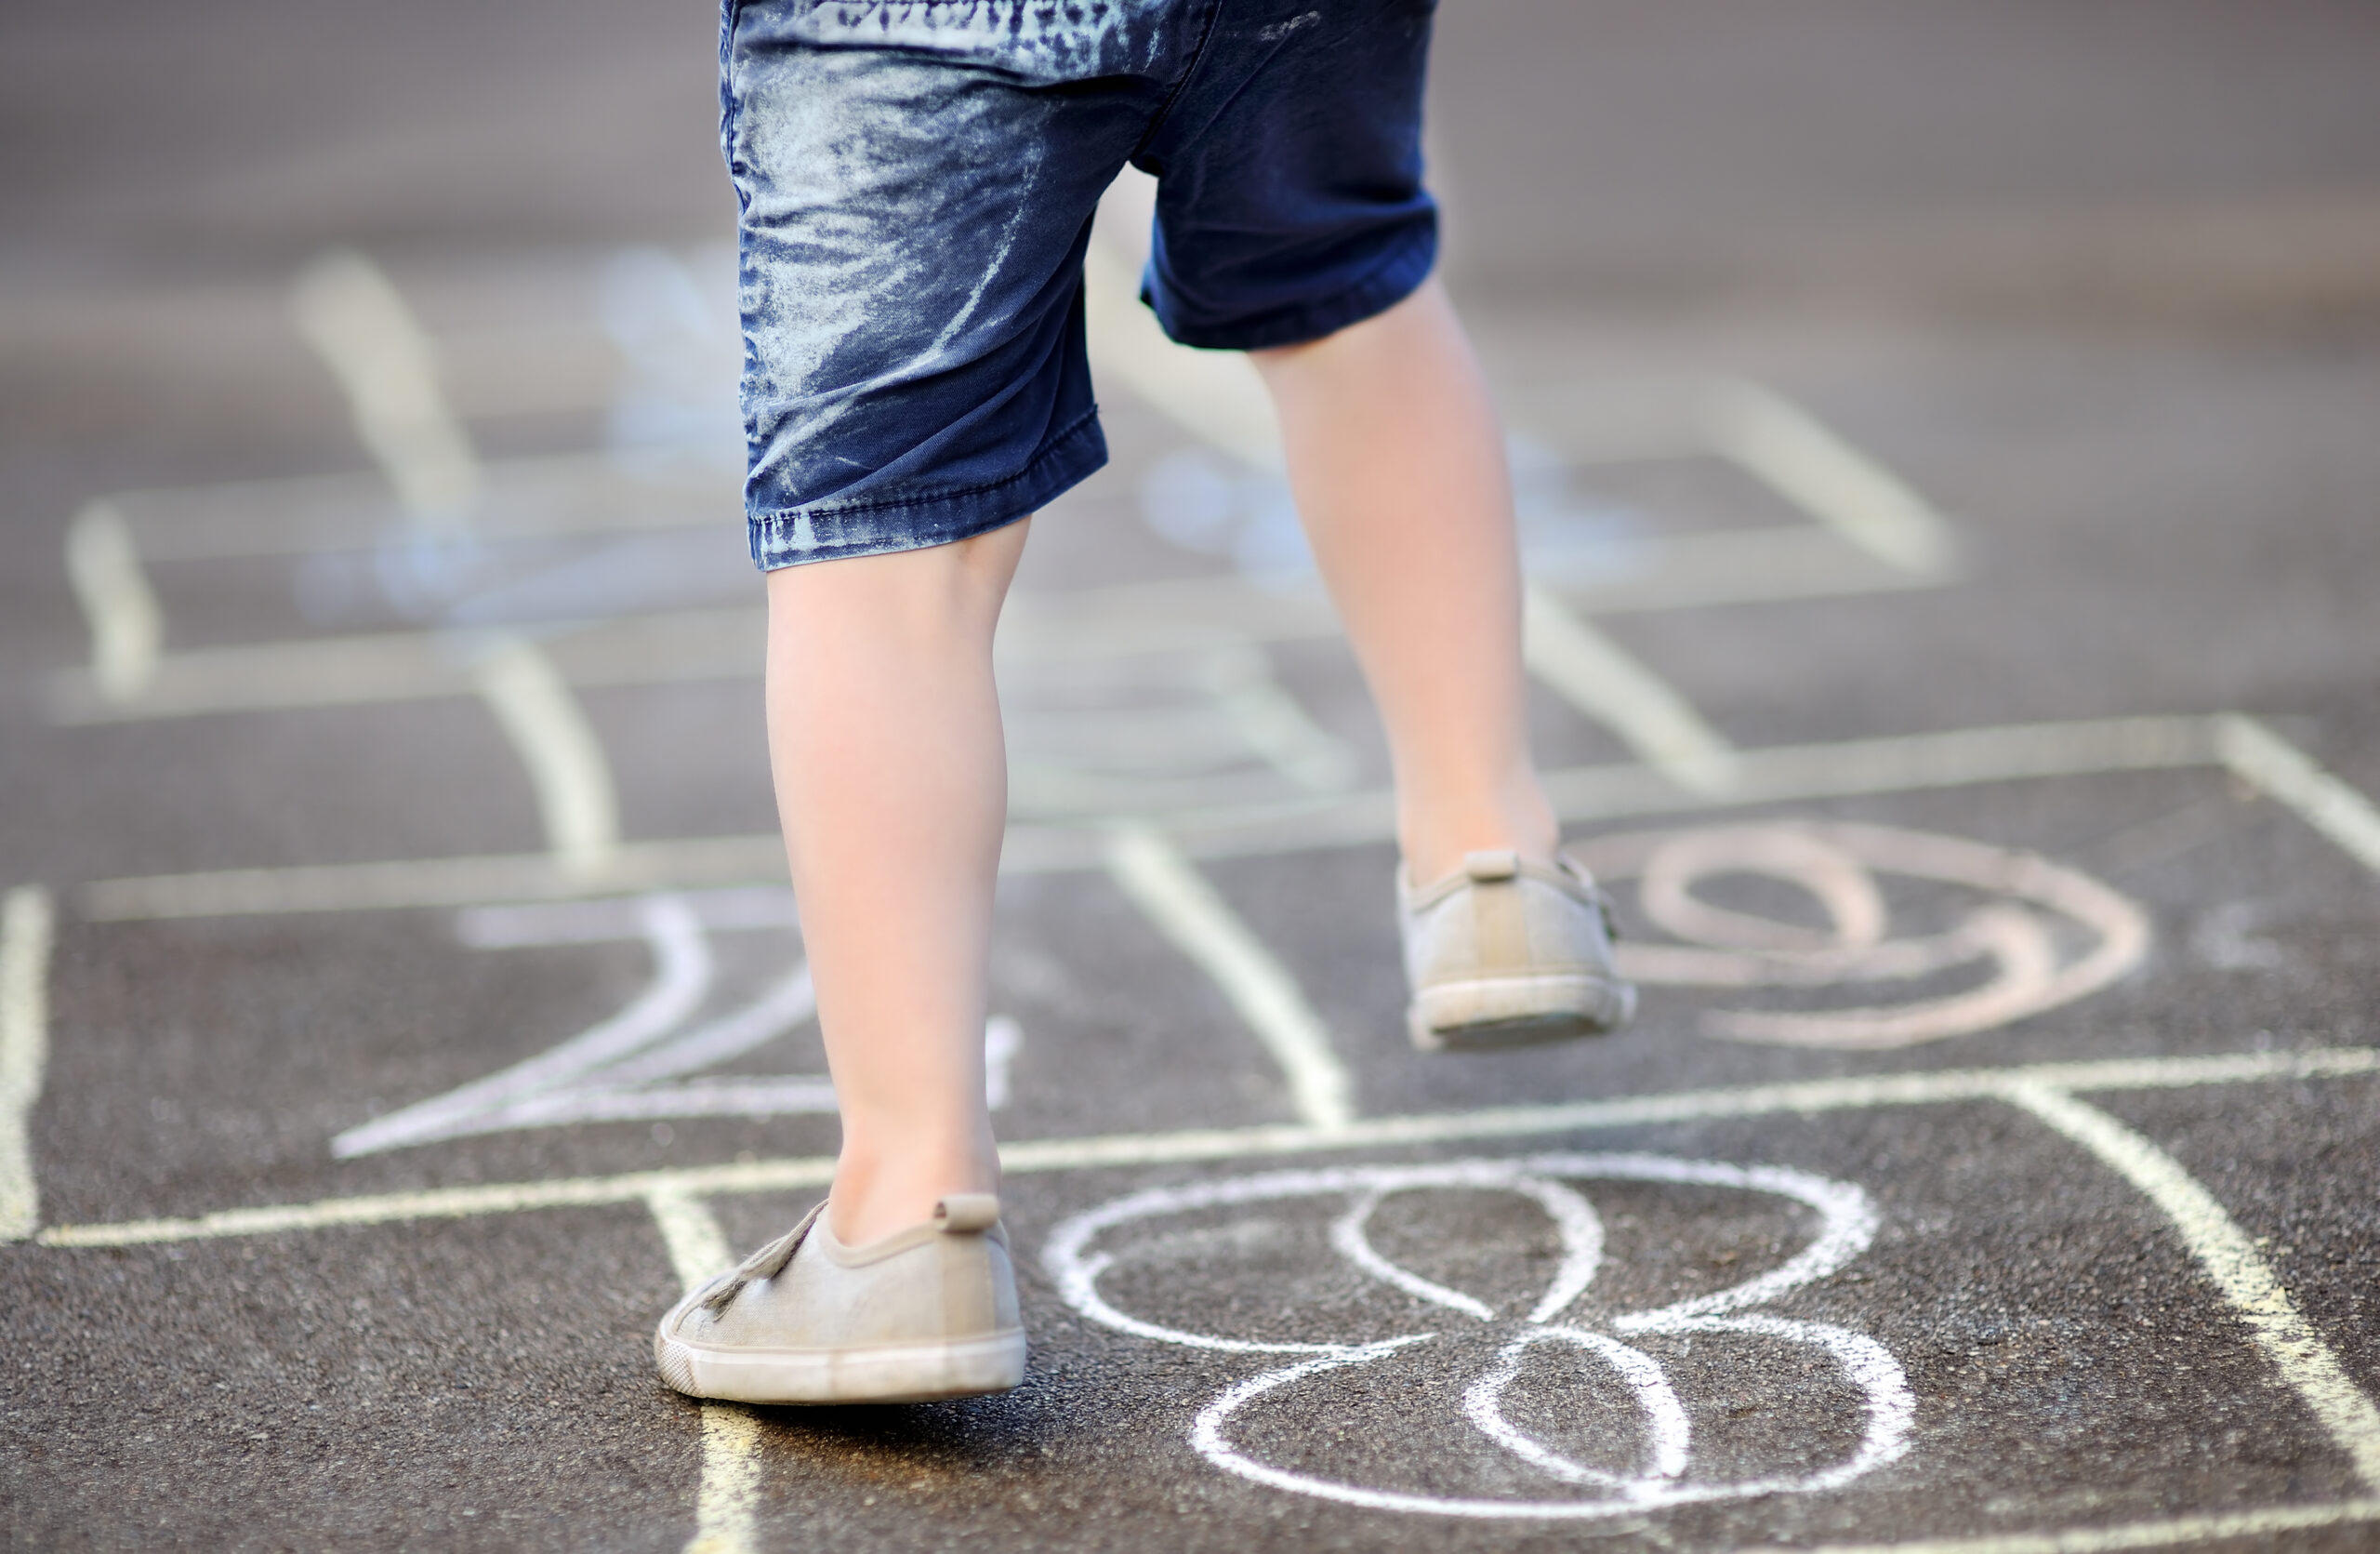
(1435, 832)
(1430, 859)
(867, 1204)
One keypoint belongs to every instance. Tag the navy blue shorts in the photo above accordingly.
(918, 179)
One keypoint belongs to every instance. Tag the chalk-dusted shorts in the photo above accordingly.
(918, 179)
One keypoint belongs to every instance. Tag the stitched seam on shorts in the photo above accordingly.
(1359, 293)
(864, 6)
(777, 559)
(731, 111)
(831, 509)
(1197, 58)
(860, 8)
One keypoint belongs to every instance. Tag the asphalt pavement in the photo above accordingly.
(1945, 441)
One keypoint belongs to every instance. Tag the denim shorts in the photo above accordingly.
(916, 180)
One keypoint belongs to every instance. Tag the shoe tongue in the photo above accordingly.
(767, 1263)
(770, 1260)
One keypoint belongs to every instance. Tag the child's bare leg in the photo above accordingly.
(884, 733)
(1398, 462)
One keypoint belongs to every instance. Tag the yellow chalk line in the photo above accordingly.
(2266, 761)
(353, 317)
(1806, 463)
(730, 1441)
(2231, 1261)
(725, 1505)
(1604, 680)
(668, 646)
(564, 758)
(1777, 774)
(1218, 397)
(1123, 1150)
(1152, 872)
(359, 325)
(25, 930)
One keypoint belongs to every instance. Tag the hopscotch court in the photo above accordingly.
(1155, 743)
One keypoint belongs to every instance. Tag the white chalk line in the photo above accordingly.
(355, 321)
(1848, 1226)
(1128, 1150)
(690, 863)
(359, 325)
(672, 1187)
(2274, 766)
(1189, 911)
(2014, 1085)
(1574, 1219)
(358, 670)
(26, 926)
(682, 971)
(531, 496)
(1778, 774)
(1829, 861)
(1214, 395)
(1197, 719)
(1275, 724)
(560, 748)
(1219, 398)
(675, 645)
(621, 920)
(1826, 476)
(2369, 857)
(724, 1506)
(1667, 1431)
(2230, 1261)
(103, 565)
(1865, 1363)
(631, 1064)
(1601, 680)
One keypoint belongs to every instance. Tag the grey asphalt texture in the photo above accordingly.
(2102, 283)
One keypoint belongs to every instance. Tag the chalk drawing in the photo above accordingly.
(363, 331)
(634, 1064)
(1088, 1245)
(28, 923)
(1597, 676)
(726, 1503)
(1777, 774)
(1114, 1151)
(2038, 933)
(103, 562)
(1182, 906)
(2225, 939)
(1179, 719)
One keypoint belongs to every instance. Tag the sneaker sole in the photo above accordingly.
(878, 1373)
(1496, 1013)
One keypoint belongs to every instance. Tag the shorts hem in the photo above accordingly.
(836, 530)
(1390, 282)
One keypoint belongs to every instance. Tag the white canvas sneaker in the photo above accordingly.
(1505, 952)
(928, 1312)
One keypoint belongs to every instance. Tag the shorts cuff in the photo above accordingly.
(1391, 282)
(829, 531)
